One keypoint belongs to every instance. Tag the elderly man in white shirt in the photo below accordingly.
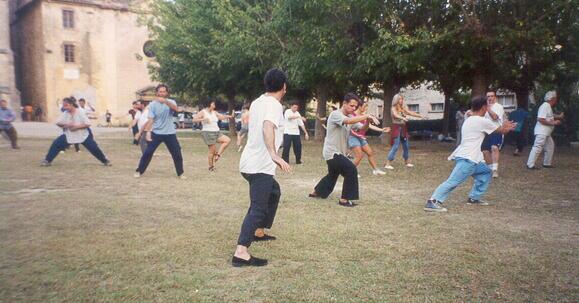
(546, 122)
(291, 133)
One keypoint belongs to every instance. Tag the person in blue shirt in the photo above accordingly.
(160, 129)
(520, 116)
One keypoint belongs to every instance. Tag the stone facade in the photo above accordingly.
(8, 89)
(90, 49)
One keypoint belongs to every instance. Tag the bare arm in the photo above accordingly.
(356, 119)
(269, 140)
(292, 116)
(303, 127)
(199, 117)
(492, 114)
(413, 114)
(506, 127)
(223, 117)
(378, 129)
(548, 123)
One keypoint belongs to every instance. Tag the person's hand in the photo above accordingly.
(386, 130)
(557, 122)
(137, 136)
(304, 119)
(281, 163)
(307, 137)
(509, 125)
(148, 137)
(373, 120)
(162, 100)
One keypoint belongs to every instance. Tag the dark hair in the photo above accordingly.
(490, 90)
(207, 102)
(246, 106)
(81, 99)
(71, 101)
(161, 85)
(137, 101)
(350, 96)
(477, 103)
(274, 80)
(295, 102)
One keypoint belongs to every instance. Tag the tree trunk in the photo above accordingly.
(479, 85)
(522, 98)
(446, 117)
(390, 88)
(320, 132)
(231, 111)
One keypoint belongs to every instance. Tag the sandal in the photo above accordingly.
(347, 203)
(216, 158)
(211, 168)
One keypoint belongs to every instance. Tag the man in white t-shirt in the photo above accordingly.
(75, 124)
(258, 164)
(546, 122)
(468, 158)
(291, 133)
(491, 145)
(143, 118)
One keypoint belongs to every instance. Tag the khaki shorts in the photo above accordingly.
(210, 138)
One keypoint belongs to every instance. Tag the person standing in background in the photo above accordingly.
(460, 117)
(291, 133)
(7, 116)
(546, 122)
(520, 116)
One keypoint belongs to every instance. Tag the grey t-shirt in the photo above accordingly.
(336, 141)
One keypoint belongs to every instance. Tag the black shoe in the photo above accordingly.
(313, 196)
(253, 261)
(265, 237)
(299, 162)
(348, 203)
(548, 166)
(476, 202)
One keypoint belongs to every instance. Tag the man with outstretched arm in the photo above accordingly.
(468, 158)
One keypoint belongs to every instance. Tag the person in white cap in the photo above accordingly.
(546, 122)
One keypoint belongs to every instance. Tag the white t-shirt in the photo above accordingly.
(143, 118)
(545, 111)
(292, 126)
(500, 111)
(473, 133)
(209, 122)
(255, 158)
(79, 117)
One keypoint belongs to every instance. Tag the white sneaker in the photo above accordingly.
(137, 174)
(377, 172)
(388, 166)
(495, 174)
(409, 165)
(182, 177)
(359, 176)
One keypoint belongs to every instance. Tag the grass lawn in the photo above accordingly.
(79, 231)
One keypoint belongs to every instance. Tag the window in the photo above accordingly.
(414, 107)
(67, 19)
(437, 107)
(69, 53)
(148, 49)
(507, 101)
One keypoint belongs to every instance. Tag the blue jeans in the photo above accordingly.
(61, 144)
(395, 147)
(463, 169)
(172, 145)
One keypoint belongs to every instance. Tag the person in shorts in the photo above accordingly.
(209, 117)
(242, 133)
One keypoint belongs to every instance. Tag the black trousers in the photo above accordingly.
(288, 140)
(135, 130)
(337, 166)
(519, 140)
(172, 145)
(264, 194)
(12, 135)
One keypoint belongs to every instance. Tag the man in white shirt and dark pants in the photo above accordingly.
(291, 133)
(258, 164)
(469, 159)
(491, 145)
(546, 122)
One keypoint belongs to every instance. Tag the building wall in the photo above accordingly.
(110, 66)
(29, 50)
(8, 89)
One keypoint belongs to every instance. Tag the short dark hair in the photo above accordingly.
(295, 102)
(205, 103)
(350, 96)
(274, 80)
(477, 103)
(71, 101)
(81, 99)
(161, 85)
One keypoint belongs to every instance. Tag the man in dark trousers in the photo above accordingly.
(258, 164)
(339, 124)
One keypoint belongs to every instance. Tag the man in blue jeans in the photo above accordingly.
(468, 157)
(162, 130)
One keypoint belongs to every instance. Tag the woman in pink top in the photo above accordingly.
(358, 143)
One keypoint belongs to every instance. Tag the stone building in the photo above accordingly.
(8, 89)
(94, 49)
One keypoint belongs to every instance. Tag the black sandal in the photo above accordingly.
(211, 168)
(348, 203)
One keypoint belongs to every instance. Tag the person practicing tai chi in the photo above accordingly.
(75, 124)
(468, 158)
(258, 164)
(339, 124)
(141, 135)
(358, 143)
(242, 133)
(7, 116)
(210, 132)
(546, 122)
(399, 135)
(160, 122)
(492, 144)
(291, 133)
